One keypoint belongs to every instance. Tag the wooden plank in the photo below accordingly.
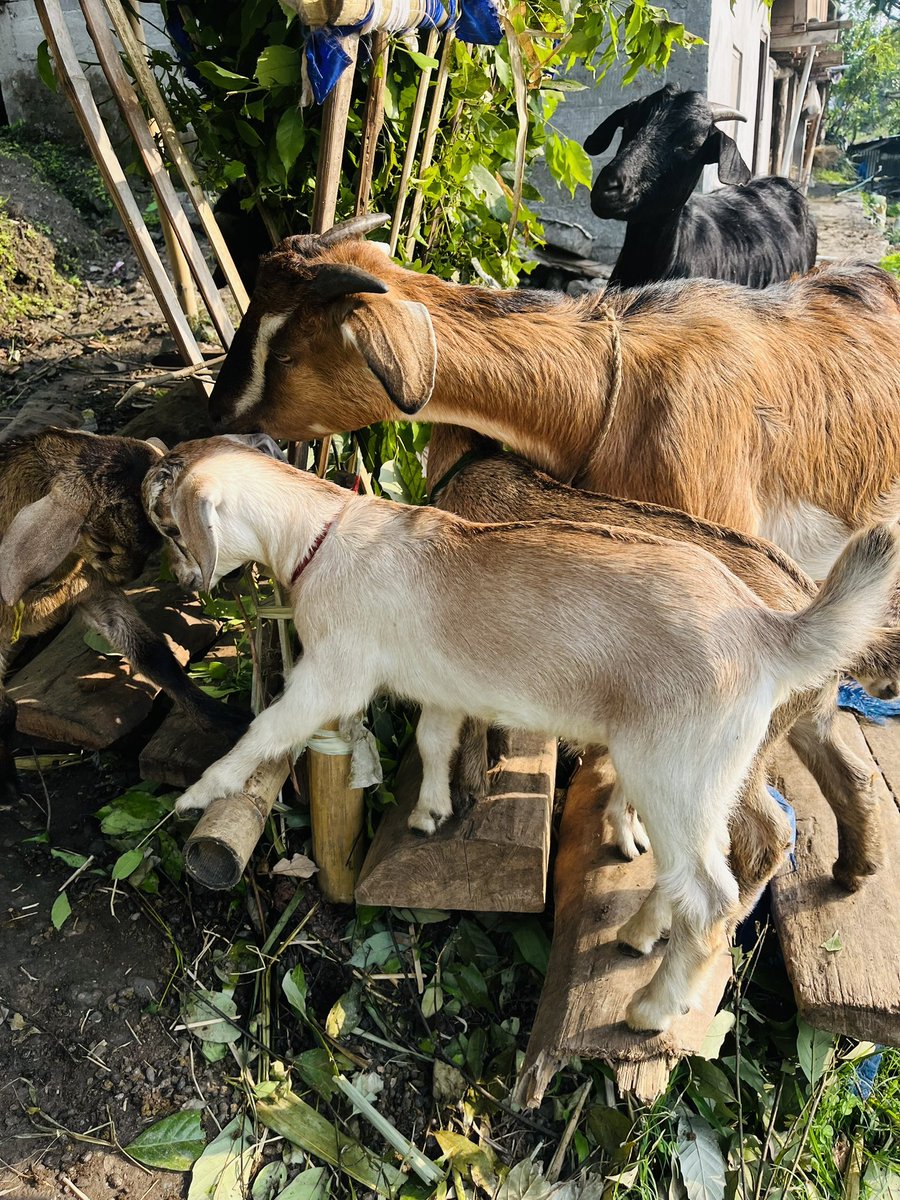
(331, 143)
(589, 980)
(373, 119)
(415, 128)
(855, 991)
(179, 752)
(108, 53)
(77, 89)
(493, 859)
(150, 88)
(434, 116)
(70, 693)
(884, 743)
(798, 41)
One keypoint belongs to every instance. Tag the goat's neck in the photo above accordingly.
(650, 246)
(287, 521)
(521, 377)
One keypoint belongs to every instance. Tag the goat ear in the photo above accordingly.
(36, 542)
(261, 442)
(396, 338)
(722, 149)
(158, 444)
(194, 511)
(598, 141)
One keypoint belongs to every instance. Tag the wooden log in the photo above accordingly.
(854, 990)
(431, 128)
(589, 980)
(78, 92)
(493, 859)
(71, 693)
(150, 88)
(415, 128)
(179, 752)
(884, 743)
(373, 120)
(331, 143)
(220, 846)
(96, 19)
(337, 816)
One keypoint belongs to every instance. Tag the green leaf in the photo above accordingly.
(700, 1159)
(134, 812)
(221, 1169)
(316, 1070)
(375, 951)
(45, 67)
(834, 943)
(294, 987)
(814, 1050)
(422, 61)
(98, 642)
(525, 1182)
(312, 1184)
(223, 78)
(127, 863)
(61, 910)
(174, 1143)
(69, 857)
(880, 1182)
(269, 1182)
(278, 66)
(208, 1024)
(469, 1159)
(533, 944)
(721, 1024)
(344, 1015)
(290, 137)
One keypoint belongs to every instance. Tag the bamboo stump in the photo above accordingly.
(337, 816)
(854, 990)
(493, 859)
(223, 839)
(589, 980)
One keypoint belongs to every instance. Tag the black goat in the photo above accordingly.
(754, 232)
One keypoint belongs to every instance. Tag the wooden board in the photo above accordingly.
(70, 693)
(884, 743)
(494, 859)
(589, 980)
(179, 752)
(855, 991)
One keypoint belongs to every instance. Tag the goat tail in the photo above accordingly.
(849, 612)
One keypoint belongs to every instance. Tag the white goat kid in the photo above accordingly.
(522, 625)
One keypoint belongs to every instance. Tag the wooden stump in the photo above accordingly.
(494, 859)
(854, 990)
(71, 693)
(589, 980)
(337, 814)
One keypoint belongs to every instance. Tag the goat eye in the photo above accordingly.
(282, 358)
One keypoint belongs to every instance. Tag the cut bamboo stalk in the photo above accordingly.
(108, 54)
(223, 839)
(414, 130)
(437, 103)
(373, 120)
(78, 92)
(157, 105)
(337, 817)
(331, 145)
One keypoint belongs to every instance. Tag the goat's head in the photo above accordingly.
(88, 506)
(667, 140)
(183, 493)
(328, 343)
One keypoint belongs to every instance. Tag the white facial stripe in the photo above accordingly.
(253, 392)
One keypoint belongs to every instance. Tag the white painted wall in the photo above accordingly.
(737, 38)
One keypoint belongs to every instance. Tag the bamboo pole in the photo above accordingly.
(799, 97)
(78, 92)
(373, 120)
(157, 105)
(337, 816)
(108, 54)
(414, 130)
(331, 145)
(437, 103)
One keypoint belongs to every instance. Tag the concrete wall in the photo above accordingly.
(726, 69)
(24, 96)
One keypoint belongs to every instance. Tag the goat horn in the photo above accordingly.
(333, 280)
(721, 112)
(355, 227)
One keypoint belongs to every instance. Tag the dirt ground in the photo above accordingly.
(89, 1049)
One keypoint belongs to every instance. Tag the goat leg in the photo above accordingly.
(469, 770)
(437, 734)
(111, 614)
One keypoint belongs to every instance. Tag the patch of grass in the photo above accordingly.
(22, 295)
(834, 175)
(69, 171)
(891, 263)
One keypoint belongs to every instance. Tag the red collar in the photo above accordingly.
(311, 553)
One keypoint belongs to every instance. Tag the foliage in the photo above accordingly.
(251, 134)
(68, 170)
(865, 100)
(891, 263)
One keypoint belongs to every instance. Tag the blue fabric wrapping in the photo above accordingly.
(326, 59)
(865, 1075)
(854, 698)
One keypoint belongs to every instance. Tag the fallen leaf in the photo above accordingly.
(833, 944)
(297, 867)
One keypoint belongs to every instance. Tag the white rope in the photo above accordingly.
(329, 741)
(355, 740)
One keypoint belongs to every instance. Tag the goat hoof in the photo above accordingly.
(629, 950)
(424, 823)
(851, 876)
(643, 1016)
(187, 805)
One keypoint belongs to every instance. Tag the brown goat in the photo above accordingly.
(491, 485)
(774, 411)
(72, 532)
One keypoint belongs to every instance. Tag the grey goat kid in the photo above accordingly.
(599, 635)
(73, 532)
(752, 231)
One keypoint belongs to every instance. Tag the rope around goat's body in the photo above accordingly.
(604, 312)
